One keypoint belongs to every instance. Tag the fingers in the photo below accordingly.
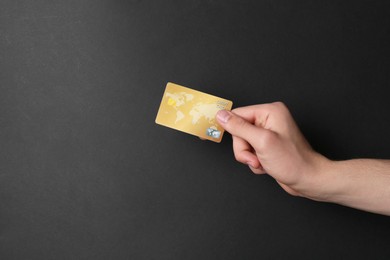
(259, 170)
(237, 126)
(244, 153)
(259, 114)
(262, 140)
(256, 114)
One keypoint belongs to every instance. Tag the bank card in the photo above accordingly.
(192, 112)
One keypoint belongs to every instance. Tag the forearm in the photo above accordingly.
(361, 183)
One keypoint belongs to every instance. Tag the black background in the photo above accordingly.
(85, 173)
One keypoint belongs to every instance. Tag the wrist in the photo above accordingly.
(319, 183)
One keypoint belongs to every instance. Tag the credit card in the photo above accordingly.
(192, 112)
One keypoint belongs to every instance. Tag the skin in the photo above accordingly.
(267, 139)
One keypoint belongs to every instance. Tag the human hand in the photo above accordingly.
(267, 139)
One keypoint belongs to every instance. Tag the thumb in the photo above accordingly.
(238, 126)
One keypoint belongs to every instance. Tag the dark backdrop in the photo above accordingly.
(85, 173)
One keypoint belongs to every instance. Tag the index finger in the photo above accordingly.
(255, 114)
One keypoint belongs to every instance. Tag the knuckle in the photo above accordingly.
(281, 109)
(279, 105)
(268, 139)
(238, 157)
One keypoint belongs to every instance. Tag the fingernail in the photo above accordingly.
(223, 116)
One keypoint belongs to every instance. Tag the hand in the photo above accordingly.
(266, 138)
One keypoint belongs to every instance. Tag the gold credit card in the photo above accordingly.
(192, 112)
